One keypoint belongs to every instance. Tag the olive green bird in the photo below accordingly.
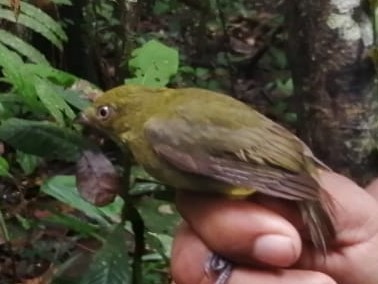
(199, 140)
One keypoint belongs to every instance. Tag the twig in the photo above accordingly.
(130, 213)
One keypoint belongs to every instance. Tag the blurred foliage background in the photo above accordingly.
(55, 57)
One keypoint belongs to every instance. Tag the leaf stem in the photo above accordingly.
(3, 227)
(130, 213)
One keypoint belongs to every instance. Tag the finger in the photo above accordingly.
(372, 188)
(352, 209)
(189, 255)
(241, 230)
(281, 276)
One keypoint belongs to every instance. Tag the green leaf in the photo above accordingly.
(111, 263)
(202, 72)
(291, 117)
(63, 188)
(27, 162)
(73, 223)
(24, 222)
(10, 62)
(4, 167)
(21, 78)
(279, 57)
(113, 210)
(161, 243)
(41, 139)
(159, 216)
(74, 99)
(153, 64)
(286, 87)
(44, 18)
(62, 2)
(161, 8)
(187, 69)
(55, 75)
(54, 103)
(4, 112)
(22, 47)
(34, 25)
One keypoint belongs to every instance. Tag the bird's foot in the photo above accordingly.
(219, 266)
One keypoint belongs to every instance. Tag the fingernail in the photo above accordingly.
(275, 250)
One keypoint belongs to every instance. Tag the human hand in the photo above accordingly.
(263, 238)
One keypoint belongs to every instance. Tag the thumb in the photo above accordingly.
(352, 208)
(372, 188)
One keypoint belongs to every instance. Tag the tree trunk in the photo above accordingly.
(334, 78)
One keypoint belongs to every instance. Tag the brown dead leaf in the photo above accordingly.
(15, 6)
(45, 278)
(87, 89)
(97, 179)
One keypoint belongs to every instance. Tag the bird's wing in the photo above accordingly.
(265, 157)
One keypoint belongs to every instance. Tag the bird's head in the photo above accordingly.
(121, 110)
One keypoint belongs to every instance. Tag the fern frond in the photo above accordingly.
(36, 20)
(22, 47)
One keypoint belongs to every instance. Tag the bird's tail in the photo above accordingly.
(317, 216)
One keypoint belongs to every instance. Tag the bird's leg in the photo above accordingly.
(220, 266)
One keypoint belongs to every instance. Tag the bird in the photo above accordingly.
(203, 141)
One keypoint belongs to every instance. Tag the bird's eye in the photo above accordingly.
(103, 112)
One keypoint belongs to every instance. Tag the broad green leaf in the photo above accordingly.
(55, 104)
(41, 139)
(27, 162)
(138, 173)
(72, 222)
(4, 167)
(111, 263)
(160, 243)
(153, 64)
(113, 210)
(142, 188)
(57, 184)
(160, 217)
(63, 188)
(22, 47)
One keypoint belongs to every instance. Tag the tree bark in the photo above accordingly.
(334, 79)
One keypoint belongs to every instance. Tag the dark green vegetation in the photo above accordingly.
(55, 56)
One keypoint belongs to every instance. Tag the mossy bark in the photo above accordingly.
(334, 78)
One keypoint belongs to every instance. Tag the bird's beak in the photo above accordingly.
(81, 119)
